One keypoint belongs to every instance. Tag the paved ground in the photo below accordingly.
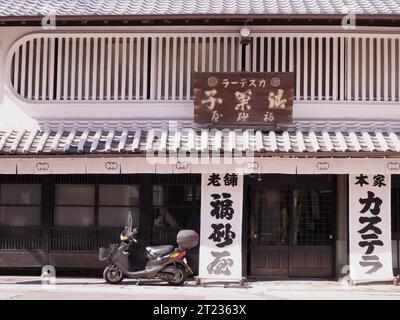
(21, 287)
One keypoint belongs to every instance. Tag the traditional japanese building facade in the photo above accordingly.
(97, 122)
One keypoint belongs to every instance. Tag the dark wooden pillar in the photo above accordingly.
(342, 231)
(245, 227)
(146, 212)
(47, 205)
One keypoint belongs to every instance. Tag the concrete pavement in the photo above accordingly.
(23, 287)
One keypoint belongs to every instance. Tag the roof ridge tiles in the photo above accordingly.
(196, 7)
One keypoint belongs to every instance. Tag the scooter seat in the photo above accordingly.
(158, 251)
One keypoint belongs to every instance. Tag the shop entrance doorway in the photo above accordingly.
(292, 224)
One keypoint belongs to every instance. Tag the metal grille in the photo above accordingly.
(20, 215)
(272, 212)
(298, 217)
(8, 178)
(98, 179)
(163, 236)
(313, 217)
(175, 207)
(86, 238)
(395, 207)
(108, 235)
(73, 239)
(20, 238)
(165, 179)
(82, 239)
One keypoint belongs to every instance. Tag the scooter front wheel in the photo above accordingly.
(179, 278)
(113, 275)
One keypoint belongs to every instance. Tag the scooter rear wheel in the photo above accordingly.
(180, 278)
(113, 275)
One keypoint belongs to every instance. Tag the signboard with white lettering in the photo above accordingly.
(221, 226)
(243, 98)
(370, 227)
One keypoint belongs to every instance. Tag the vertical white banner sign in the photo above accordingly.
(370, 227)
(221, 226)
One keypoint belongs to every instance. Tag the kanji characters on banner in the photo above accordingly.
(221, 226)
(370, 227)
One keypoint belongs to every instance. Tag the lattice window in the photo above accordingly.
(158, 67)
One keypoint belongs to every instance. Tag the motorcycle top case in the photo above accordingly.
(187, 239)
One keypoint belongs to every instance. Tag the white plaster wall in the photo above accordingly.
(14, 110)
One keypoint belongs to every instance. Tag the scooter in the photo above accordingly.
(163, 262)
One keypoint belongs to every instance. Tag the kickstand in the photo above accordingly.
(137, 283)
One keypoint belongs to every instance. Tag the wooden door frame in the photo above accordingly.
(250, 240)
(289, 183)
(291, 246)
